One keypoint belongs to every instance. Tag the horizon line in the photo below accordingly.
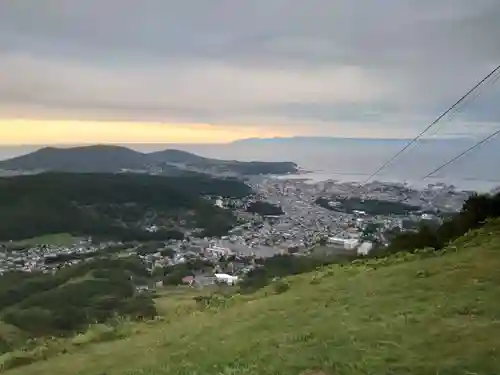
(297, 137)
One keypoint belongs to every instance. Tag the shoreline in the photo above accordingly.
(466, 184)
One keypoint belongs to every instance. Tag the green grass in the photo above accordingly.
(410, 315)
(10, 336)
(59, 239)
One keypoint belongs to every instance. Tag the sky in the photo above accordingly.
(78, 71)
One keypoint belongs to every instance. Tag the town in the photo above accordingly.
(329, 217)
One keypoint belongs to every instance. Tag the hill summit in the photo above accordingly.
(98, 158)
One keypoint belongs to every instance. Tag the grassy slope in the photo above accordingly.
(437, 315)
(10, 334)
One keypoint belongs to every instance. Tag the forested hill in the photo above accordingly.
(112, 205)
(42, 304)
(113, 159)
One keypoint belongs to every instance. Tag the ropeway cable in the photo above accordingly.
(437, 120)
(482, 141)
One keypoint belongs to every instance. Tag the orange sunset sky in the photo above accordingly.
(24, 131)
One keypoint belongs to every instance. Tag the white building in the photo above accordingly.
(219, 250)
(365, 248)
(346, 243)
(226, 279)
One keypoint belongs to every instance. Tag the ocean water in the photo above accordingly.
(354, 159)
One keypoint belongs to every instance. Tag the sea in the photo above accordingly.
(352, 159)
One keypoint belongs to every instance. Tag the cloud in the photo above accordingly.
(318, 67)
(198, 89)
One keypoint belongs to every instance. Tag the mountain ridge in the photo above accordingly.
(114, 159)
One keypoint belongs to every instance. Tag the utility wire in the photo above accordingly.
(484, 140)
(411, 142)
(469, 100)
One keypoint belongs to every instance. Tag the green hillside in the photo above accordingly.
(113, 206)
(419, 314)
(41, 305)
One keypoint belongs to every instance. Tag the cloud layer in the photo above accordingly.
(311, 67)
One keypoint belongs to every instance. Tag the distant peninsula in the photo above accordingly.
(116, 159)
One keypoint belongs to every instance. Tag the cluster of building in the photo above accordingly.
(38, 257)
(303, 226)
(304, 223)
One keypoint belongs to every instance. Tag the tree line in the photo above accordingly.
(474, 212)
(264, 209)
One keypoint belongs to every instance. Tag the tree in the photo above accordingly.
(168, 252)
(474, 212)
